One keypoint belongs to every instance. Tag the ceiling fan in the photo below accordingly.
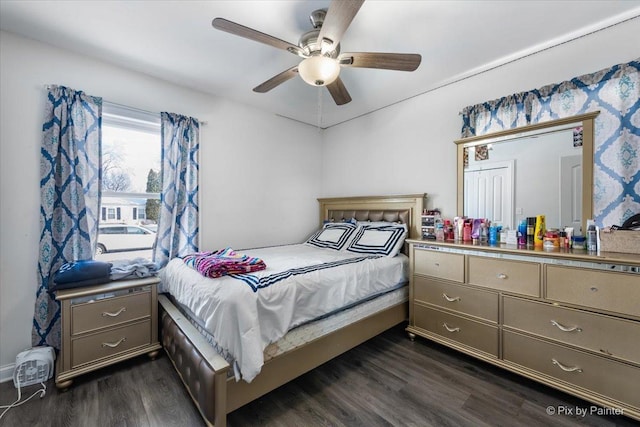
(320, 49)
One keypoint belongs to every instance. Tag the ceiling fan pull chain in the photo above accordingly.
(319, 89)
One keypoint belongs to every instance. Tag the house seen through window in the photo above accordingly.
(131, 184)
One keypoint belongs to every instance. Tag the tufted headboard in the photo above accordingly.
(403, 208)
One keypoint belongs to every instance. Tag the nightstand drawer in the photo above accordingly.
(505, 275)
(439, 264)
(468, 332)
(606, 290)
(604, 376)
(603, 334)
(110, 312)
(463, 299)
(109, 343)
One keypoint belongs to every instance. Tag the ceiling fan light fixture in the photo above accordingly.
(319, 70)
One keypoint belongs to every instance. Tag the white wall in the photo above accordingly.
(259, 173)
(408, 147)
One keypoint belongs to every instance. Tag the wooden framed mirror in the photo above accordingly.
(539, 169)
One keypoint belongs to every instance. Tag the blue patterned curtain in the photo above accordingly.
(178, 220)
(615, 92)
(70, 179)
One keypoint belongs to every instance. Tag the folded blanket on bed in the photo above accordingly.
(223, 262)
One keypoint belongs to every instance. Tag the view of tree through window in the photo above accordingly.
(130, 183)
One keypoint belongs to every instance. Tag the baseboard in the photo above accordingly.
(6, 372)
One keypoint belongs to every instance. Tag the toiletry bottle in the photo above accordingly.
(522, 233)
(592, 239)
(568, 243)
(493, 235)
(475, 228)
(562, 239)
(531, 229)
(439, 231)
(538, 238)
(466, 232)
(449, 230)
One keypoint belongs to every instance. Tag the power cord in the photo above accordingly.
(6, 408)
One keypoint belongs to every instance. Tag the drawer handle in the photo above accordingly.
(450, 329)
(566, 368)
(437, 264)
(448, 298)
(114, 344)
(501, 276)
(117, 313)
(564, 328)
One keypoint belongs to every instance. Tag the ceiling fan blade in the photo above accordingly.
(339, 92)
(338, 19)
(276, 80)
(255, 35)
(387, 61)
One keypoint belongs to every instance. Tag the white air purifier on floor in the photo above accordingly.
(33, 366)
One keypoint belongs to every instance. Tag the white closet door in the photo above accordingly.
(489, 193)
(571, 191)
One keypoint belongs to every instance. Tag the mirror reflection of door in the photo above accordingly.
(571, 191)
(489, 192)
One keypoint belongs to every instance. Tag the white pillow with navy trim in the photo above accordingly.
(333, 235)
(379, 240)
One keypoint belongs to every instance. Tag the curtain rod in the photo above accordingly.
(202, 122)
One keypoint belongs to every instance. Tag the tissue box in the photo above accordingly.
(627, 241)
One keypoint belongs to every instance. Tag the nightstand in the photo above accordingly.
(105, 324)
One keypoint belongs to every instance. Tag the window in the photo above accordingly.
(139, 213)
(130, 183)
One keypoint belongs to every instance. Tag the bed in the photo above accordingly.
(213, 380)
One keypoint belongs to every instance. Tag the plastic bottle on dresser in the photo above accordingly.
(466, 232)
(493, 234)
(522, 233)
(541, 229)
(592, 239)
(531, 230)
(448, 230)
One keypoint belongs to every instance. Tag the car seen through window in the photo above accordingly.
(121, 237)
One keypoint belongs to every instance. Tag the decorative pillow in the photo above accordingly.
(348, 221)
(333, 235)
(379, 240)
(379, 223)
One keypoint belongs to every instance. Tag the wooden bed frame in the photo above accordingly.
(205, 373)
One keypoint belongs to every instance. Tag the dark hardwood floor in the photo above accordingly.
(387, 381)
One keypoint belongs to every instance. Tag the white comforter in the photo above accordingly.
(247, 313)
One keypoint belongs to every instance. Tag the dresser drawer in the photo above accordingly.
(109, 312)
(605, 290)
(468, 332)
(604, 376)
(110, 343)
(439, 264)
(603, 334)
(474, 302)
(505, 275)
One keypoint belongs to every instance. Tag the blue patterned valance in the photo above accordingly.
(615, 92)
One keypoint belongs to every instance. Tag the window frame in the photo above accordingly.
(135, 120)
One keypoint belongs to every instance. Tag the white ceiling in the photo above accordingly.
(174, 41)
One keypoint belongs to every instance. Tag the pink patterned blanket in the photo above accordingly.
(223, 262)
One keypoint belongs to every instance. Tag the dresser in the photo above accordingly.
(567, 319)
(105, 324)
